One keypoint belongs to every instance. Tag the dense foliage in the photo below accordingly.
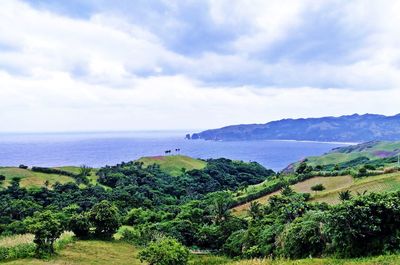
(166, 214)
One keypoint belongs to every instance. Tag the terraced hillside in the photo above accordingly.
(335, 185)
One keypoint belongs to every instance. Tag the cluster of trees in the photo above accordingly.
(288, 226)
(155, 187)
(130, 185)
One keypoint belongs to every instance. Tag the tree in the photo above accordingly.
(345, 195)
(362, 171)
(301, 168)
(220, 204)
(84, 170)
(47, 227)
(165, 251)
(255, 210)
(105, 217)
(304, 237)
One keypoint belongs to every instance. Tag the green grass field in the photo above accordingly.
(174, 164)
(30, 178)
(93, 252)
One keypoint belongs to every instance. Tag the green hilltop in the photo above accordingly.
(175, 164)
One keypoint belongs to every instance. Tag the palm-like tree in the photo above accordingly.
(255, 210)
(345, 195)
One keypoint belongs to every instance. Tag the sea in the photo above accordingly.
(97, 149)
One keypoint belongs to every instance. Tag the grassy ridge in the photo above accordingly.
(174, 164)
(32, 179)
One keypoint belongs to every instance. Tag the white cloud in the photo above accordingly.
(70, 74)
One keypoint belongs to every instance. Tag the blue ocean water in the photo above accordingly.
(99, 149)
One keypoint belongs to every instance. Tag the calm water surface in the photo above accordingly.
(99, 149)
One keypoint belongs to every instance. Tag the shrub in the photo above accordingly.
(23, 166)
(2, 178)
(318, 187)
(165, 251)
(17, 252)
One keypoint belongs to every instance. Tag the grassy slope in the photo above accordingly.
(334, 185)
(373, 151)
(30, 178)
(174, 164)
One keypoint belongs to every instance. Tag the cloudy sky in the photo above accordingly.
(137, 65)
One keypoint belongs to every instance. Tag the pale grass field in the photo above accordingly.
(12, 241)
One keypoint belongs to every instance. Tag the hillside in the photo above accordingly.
(351, 128)
(333, 186)
(174, 165)
(334, 172)
(170, 164)
(375, 152)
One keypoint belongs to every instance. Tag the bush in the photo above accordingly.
(318, 187)
(23, 166)
(165, 251)
(2, 178)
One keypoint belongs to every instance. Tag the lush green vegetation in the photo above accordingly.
(158, 215)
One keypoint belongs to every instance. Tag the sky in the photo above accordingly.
(99, 65)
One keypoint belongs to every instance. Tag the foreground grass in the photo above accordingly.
(174, 164)
(93, 252)
(380, 260)
(89, 252)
